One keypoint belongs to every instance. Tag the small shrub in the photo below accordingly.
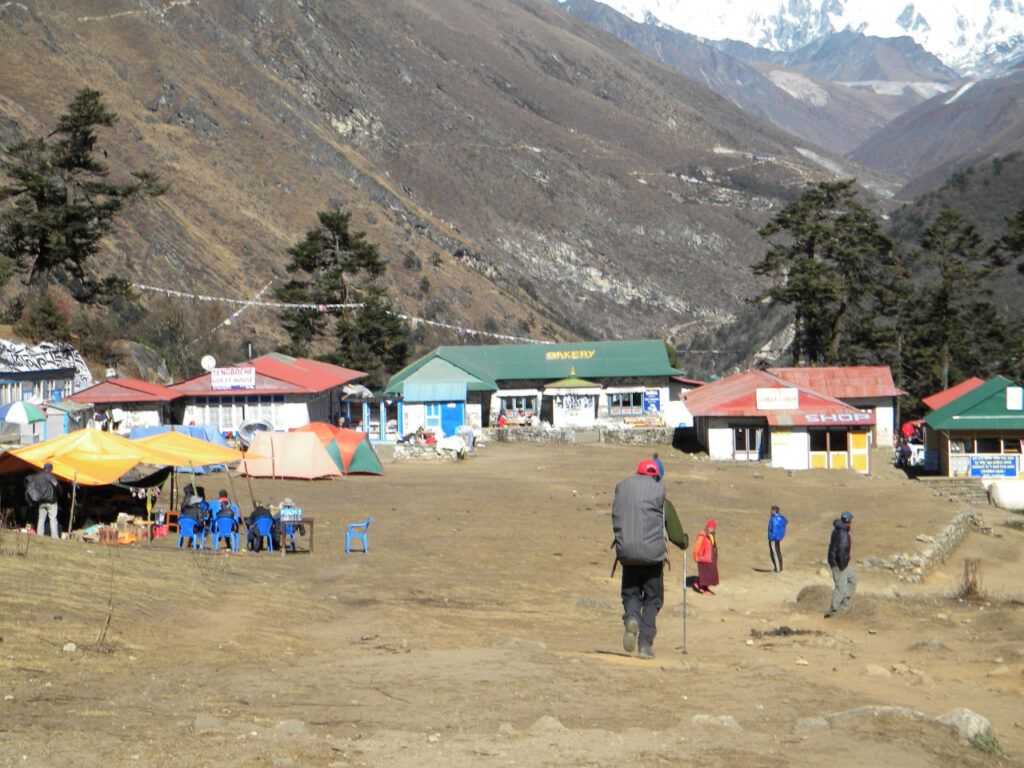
(988, 743)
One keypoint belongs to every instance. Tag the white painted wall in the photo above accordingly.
(720, 442)
(791, 448)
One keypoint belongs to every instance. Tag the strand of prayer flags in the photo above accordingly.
(412, 320)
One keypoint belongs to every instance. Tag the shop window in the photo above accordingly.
(515, 404)
(626, 403)
(988, 445)
(819, 440)
(1012, 445)
(959, 445)
(837, 440)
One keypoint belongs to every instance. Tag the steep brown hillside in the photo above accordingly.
(523, 172)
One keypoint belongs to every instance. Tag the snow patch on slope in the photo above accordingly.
(799, 87)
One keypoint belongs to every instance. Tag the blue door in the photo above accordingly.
(452, 417)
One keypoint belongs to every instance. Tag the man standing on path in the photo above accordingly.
(839, 561)
(638, 521)
(42, 490)
(776, 531)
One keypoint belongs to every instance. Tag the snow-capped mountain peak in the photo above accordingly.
(970, 37)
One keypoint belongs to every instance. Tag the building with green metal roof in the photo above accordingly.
(981, 433)
(571, 384)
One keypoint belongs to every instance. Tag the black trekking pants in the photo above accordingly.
(775, 550)
(643, 592)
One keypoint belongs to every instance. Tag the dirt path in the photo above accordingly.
(482, 629)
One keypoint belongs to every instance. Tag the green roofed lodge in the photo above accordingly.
(584, 384)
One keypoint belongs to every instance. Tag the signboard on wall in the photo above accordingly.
(777, 398)
(652, 401)
(242, 377)
(993, 465)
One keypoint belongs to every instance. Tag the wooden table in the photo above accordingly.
(307, 523)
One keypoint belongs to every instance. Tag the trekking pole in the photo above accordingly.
(684, 603)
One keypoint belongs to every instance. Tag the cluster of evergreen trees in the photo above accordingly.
(857, 299)
(57, 206)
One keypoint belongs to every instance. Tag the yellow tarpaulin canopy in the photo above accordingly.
(190, 450)
(93, 457)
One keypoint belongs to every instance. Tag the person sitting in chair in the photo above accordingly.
(253, 539)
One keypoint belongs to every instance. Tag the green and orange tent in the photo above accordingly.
(350, 449)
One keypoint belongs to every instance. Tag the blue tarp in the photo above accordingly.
(208, 432)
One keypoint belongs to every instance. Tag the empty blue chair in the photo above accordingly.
(358, 532)
(223, 528)
(263, 527)
(187, 530)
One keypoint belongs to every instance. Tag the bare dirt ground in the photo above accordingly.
(483, 629)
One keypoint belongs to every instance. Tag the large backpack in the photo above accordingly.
(638, 521)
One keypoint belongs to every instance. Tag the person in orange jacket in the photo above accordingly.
(705, 552)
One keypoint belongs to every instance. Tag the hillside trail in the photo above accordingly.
(483, 628)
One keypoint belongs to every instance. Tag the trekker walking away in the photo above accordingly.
(660, 466)
(705, 552)
(839, 561)
(41, 491)
(638, 521)
(776, 532)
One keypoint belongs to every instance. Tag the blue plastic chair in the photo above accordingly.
(263, 527)
(358, 532)
(223, 527)
(187, 530)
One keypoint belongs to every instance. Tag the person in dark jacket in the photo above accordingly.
(42, 490)
(253, 540)
(638, 522)
(843, 577)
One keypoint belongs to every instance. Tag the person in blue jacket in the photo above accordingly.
(776, 531)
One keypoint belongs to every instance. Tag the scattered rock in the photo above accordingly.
(969, 724)
(805, 724)
(722, 721)
(802, 662)
(876, 670)
(547, 724)
(875, 711)
(506, 729)
(999, 671)
(70, 647)
(295, 727)
(204, 723)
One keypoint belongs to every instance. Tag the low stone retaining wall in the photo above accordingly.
(912, 567)
(413, 452)
(571, 436)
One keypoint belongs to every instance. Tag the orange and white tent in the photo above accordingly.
(288, 454)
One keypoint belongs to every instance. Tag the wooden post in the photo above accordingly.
(74, 495)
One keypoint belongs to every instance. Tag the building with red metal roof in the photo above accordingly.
(759, 415)
(946, 396)
(121, 404)
(285, 391)
(862, 386)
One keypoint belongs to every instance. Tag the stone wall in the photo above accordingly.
(413, 452)
(913, 566)
(572, 436)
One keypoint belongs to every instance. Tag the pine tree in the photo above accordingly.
(58, 204)
(338, 271)
(826, 260)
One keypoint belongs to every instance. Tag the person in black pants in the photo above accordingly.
(776, 531)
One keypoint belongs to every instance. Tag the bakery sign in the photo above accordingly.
(242, 377)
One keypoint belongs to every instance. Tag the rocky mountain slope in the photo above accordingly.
(836, 92)
(523, 172)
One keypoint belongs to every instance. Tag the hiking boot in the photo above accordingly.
(645, 652)
(629, 636)
(830, 614)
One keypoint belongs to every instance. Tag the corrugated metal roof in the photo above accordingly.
(982, 408)
(946, 396)
(845, 382)
(736, 396)
(434, 391)
(517, 362)
(278, 374)
(125, 391)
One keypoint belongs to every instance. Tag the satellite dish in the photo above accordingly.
(208, 363)
(247, 430)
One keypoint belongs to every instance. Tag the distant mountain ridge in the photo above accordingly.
(974, 39)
